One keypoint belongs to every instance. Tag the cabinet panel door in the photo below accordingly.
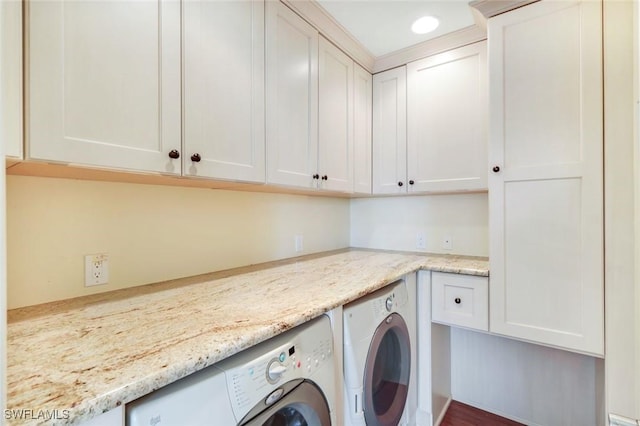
(292, 98)
(104, 83)
(447, 121)
(362, 110)
(390, 132)
(11, 78)
(223, 92)
(335, 118)
(546, 199)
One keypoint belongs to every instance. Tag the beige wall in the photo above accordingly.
(393, 222)
(151, 233)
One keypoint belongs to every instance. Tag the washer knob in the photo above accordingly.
(389, 304)
(275, 371)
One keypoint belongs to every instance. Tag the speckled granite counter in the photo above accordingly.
(91, 354)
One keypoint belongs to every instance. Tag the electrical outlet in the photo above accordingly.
(298, 243)
(447, 243)
(96, 269)
(421, 241)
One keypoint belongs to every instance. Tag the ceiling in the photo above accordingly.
(384, 26)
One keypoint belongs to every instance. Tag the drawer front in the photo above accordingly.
(460, 300)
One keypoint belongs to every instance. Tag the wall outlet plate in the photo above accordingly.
(421, 241)
(298, 243)
(96, 269)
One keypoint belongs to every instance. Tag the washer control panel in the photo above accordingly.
(255, 375)
(389, 299)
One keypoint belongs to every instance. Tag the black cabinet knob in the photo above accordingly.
(400, 183)
(324, 177)
(411, 182)
(458, 300)
(496, 169)
(316, 176)
(196, 158)
(174, 154)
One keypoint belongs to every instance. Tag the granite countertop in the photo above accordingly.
(91, 354)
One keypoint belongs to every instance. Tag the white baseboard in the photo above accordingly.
(442, 413)
(501, 414)
(616, 420)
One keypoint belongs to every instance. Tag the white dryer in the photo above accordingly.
(380, 357)
(287, 380)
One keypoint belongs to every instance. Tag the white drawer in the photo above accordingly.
(460, 300)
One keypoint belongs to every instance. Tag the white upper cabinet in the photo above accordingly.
(362, 111)
(335, 117)
(447, 121)
(11, 78)
(292, 98)
(546, 187)
(390, 132)
(103, 85)
(223, 89)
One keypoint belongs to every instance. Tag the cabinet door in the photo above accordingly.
(11, 78)
(390, 132)
(546, 195)
(335, 118)
(362, 110)
(104, 83)
(223, 94)
(447, 121)
(292, 98)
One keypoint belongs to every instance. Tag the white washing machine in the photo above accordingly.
(380, 357)
(287, 380)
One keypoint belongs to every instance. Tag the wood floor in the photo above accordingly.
(460, 414)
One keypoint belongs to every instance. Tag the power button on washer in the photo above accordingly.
(389, 304)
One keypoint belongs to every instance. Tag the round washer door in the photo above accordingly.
(303, 406)
(387, 372)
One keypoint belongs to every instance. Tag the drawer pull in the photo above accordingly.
(458, 300)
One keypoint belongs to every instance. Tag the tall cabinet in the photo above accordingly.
(546, 178)
(103, 85)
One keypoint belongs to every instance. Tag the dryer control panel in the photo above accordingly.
(389, 299)
(255, 375)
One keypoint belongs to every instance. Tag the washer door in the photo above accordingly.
(303, 406)
(386, 373)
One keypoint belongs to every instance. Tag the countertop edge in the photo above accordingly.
(92, 407)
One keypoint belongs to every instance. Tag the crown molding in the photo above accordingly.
(485, 9)
(321, 20)
(462, 37)
(318, 17)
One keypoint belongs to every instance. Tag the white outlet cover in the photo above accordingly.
(96, 269)
(421, 241)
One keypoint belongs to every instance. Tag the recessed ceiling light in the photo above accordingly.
(424, 25)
